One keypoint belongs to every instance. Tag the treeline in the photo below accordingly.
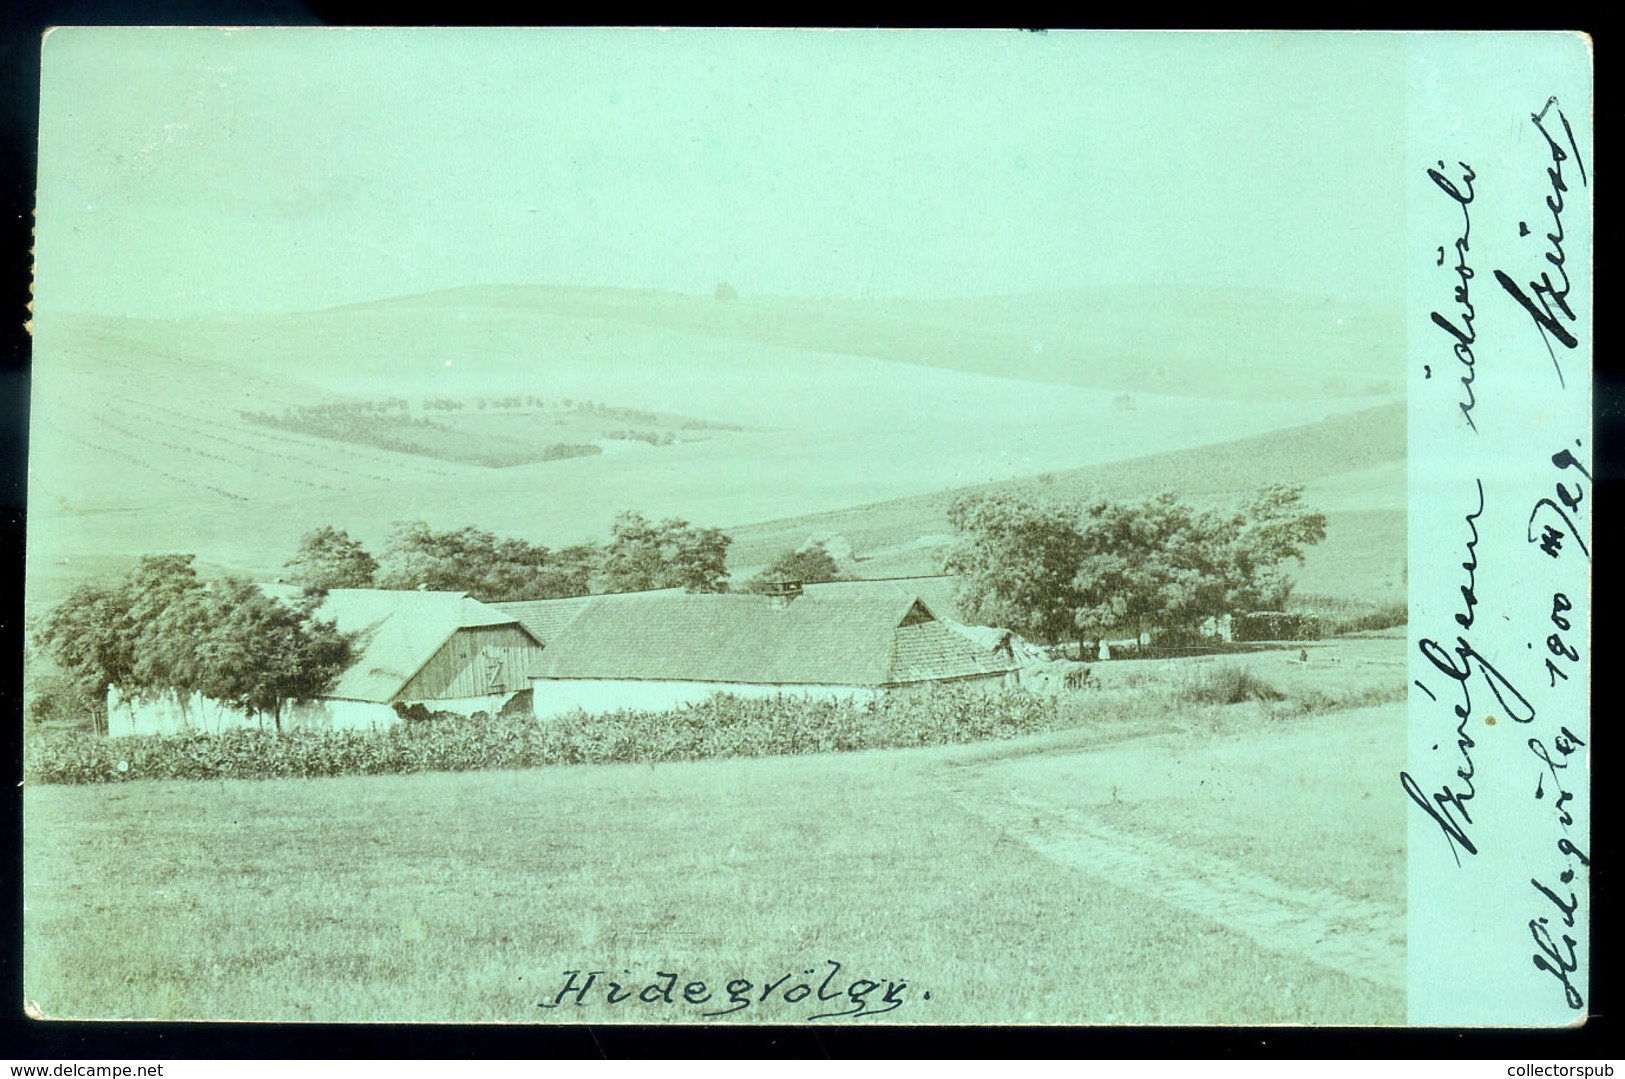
(1061, 572)
(653, 438)
(161, 631)
(391, 426)
(387, 429)
(640, 555)
(401, 406)
(391, 423)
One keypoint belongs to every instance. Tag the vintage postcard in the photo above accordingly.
(739, 526)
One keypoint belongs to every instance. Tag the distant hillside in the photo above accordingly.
(723, 413)
(1225, 343)
(1353, 467)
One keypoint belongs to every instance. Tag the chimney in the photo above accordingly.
(780, 593)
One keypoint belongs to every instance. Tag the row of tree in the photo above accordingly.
(1106, 569)
(162, 631)
(1052, 572)
(640, 555)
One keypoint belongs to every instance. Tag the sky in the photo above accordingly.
(187, 171)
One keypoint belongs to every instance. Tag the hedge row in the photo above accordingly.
(724, 726)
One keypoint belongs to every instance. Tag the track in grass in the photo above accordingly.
(1363, 937)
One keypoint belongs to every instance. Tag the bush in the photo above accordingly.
(1339, 615)
(60, 700)
(723, 726)
(1226, 684)
(1277, 626)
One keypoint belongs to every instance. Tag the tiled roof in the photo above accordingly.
(545, 618)
(930, 651)
(937, 592)
(857, 637)
(398, 632)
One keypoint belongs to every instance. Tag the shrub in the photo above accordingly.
(1226, 684)
(1338, 615)
(1277, 626)
(723, 726)
(59, 700)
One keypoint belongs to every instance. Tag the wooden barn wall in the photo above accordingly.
(459, 668)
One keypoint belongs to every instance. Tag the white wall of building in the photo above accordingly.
(490, 704)
(330, 715)
(557, 696)
(171, 715)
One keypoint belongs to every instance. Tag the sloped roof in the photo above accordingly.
(398, 632)
(988, 637)
(927, 650)
(864, 637)
(545, 618)
(938, 592)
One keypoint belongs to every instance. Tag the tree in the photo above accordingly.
(89, 636)
(56, 697)
(1018, 561)
(672, 554)
(726, 292)
(811, 564)
(257, 653)
(161, 631)
(1157, 564)
(1149, 564)
(1276, 526)
(567, 573)
(1161, 564)
(120, 634)
(483, 565)
(329, 558)
(171, 615)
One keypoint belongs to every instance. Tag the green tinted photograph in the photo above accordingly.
(715, 527)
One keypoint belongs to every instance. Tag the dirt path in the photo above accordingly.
(1361, 939)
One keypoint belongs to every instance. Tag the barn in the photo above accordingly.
(547, 618)
(658, 650)
(442, 650)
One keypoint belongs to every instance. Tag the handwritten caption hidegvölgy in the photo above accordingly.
(826, 992)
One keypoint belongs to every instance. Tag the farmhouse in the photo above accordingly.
(442, 650)
(662, 649)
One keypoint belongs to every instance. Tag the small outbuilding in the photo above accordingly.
(441, 650)
(658, 650)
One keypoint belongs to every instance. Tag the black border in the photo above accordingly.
(23, 1039)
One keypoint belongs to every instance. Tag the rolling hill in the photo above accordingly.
(858, 417)
(1352, 468)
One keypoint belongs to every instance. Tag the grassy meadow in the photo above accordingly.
(1116, 873)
